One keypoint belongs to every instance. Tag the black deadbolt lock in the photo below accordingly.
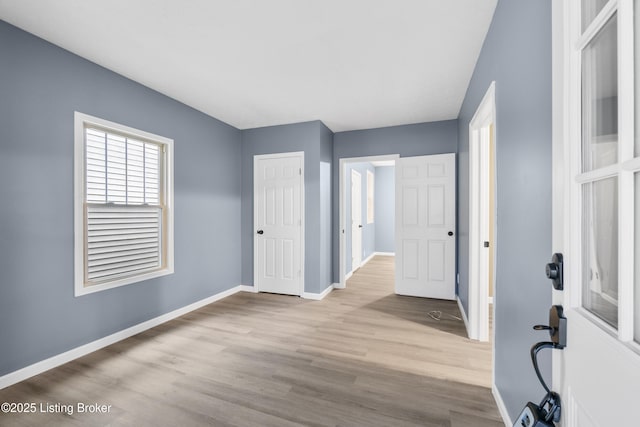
(554, 271)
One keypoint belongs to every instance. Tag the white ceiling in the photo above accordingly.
(354, 64)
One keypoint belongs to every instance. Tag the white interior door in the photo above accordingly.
(356, 220)
(425, 226)
(597, 215)
(278, 216)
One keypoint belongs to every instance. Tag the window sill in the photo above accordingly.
(81, 289)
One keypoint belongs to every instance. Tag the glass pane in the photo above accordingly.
(590, 9)
(600, 99)
(637, 260)
(600, 249)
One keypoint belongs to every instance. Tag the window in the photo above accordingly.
(370, 196)
(606, 176)
(123, 205)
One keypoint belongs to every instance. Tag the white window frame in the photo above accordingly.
(370, 197)
(81, 122)
(623, 169)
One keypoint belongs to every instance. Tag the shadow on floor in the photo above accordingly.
(437, 314)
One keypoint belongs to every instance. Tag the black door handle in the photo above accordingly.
(260, 232)
(450, 233)
(360, 226)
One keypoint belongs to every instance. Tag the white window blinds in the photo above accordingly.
(123, 210)
(122, 240)
(121, 170)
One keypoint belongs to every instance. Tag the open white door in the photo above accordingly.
(425, 226)
(596, 213)
(278, 214)
(356, 220)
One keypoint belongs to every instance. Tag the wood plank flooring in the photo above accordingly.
(361, 357)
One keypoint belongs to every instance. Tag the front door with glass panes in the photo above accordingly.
(597, 211)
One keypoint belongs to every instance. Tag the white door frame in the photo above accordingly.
(484, 117)
(299, 154)
(343, 211)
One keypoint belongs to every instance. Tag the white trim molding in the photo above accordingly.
(502, 408)
(479, 134)
(75, 353)
(463, 314)
(369, 258)
(320, 296)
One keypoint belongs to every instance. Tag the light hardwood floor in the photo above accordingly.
(361, 357)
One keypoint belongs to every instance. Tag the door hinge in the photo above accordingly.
(486, 244)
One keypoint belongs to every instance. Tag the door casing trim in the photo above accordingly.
(478, 314)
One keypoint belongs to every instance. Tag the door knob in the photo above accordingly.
(450, 233)
(360, 226)
(554, 271)
(260, 231)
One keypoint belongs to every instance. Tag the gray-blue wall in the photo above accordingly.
(326, 157)
(410, 140)
(517, 55)
(385, 208)
(312, 138)
(41, 86)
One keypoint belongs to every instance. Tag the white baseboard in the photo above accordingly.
(369, 258)
(62, 358)
(349, 274)
(386, 253)
(502, 408)
(338, 286)
(317, 297)
(247, 288)
(464, 315)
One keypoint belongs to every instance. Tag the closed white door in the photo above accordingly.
(278, 204)
(425, 226)
(356, 220)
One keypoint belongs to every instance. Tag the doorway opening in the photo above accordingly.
(356, 219)
(482, 218)
(366, 168)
